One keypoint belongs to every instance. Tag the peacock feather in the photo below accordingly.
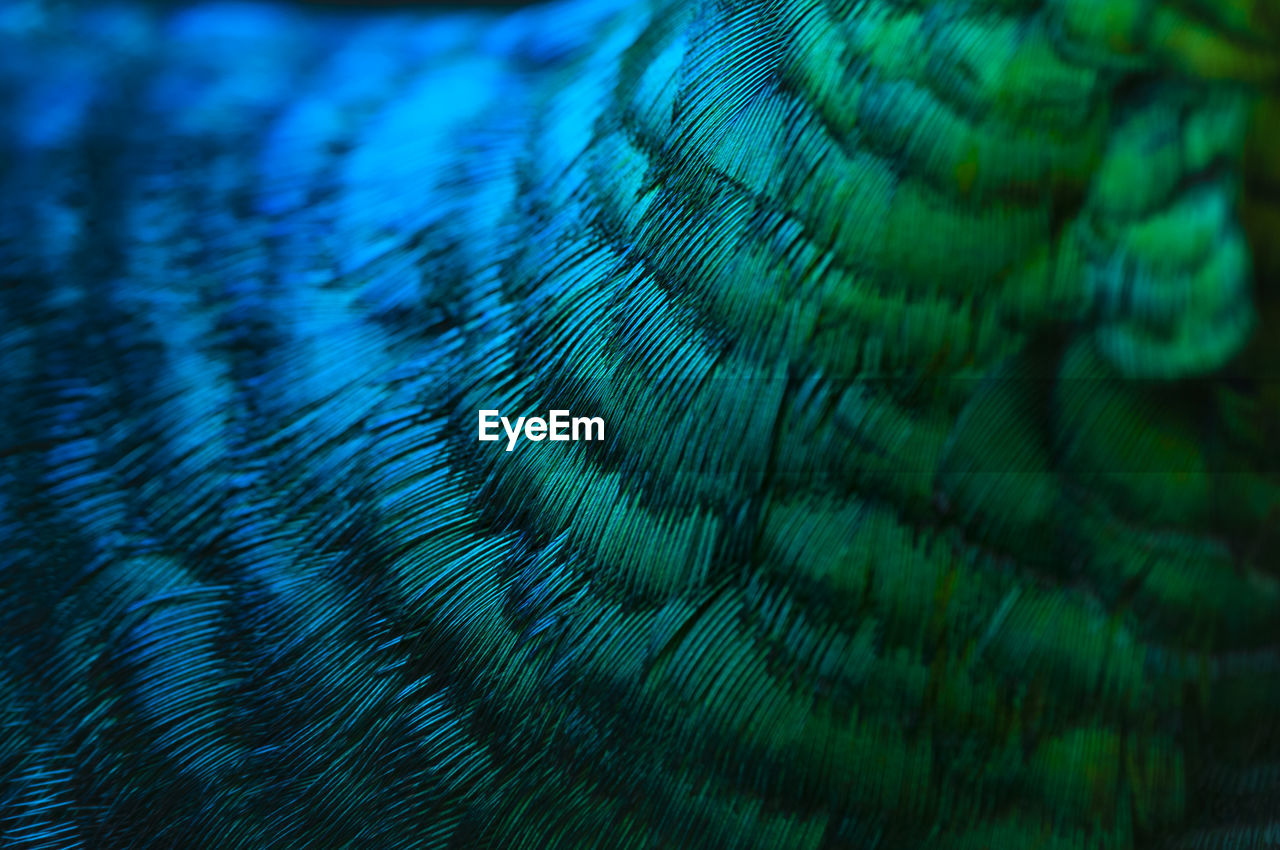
(937, 346)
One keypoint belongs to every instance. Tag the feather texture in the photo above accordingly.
(936, 342)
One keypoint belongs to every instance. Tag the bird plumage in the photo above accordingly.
(935, 341)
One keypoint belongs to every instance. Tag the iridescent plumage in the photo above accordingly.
(937, 344)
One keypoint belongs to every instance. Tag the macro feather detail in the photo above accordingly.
(937, 344)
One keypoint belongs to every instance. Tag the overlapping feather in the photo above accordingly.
(936, 346)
